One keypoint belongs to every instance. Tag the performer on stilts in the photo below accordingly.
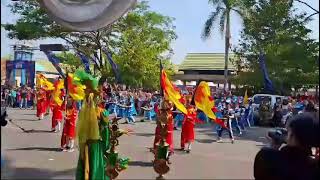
(187, 131)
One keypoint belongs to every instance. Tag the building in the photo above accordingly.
(204, 66)
(21, 69)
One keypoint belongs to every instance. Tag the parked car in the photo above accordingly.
(257, 100)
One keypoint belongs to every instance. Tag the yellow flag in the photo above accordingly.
(58, 86)
(203, 99)
(246, 99)
(43, 82)
(173, 95)
(76, 91)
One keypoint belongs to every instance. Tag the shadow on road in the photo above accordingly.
(37, 131)
(10, 172)
(140, 163)
(206, 140)
(26, 119)
(256, 134)
(36, 149)
(144, 134)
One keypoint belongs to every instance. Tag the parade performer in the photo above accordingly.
(171, 95)
(187, 131)
(91, 164)
(129, 110)
(57, 105)
(162, 151)
(227, 123)
(68, 133)
(179, 115)
(43, 87)
(92, 132)
(169, 126)
(149, 113)
(41, 100)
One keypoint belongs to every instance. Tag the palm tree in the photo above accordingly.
(221, 14)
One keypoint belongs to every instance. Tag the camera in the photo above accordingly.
(278, 135)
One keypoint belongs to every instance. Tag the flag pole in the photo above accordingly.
(161, 90)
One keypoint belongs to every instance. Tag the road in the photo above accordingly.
(36, 154)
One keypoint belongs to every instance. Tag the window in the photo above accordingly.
(259, 99)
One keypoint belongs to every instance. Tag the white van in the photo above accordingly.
(257, 99)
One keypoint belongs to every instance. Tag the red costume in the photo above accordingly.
(47, 101)
(41, 102)
(69, 125)
(57, 115)
(187, 131)
(157, 136)
(170, 129)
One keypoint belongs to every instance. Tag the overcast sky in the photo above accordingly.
(189, 15)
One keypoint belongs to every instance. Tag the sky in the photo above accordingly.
(189, 16)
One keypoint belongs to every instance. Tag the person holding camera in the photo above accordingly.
(293, 161)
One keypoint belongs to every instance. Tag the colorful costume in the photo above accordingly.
(91, 163)
(178, 119)
(57, 116)
(187, 131)
(68, 133)
(41, 103)
(149, 113)
(170, 128)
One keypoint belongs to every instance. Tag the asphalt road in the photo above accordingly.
(35, 154)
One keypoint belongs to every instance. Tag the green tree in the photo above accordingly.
(70, 62)
(222, 13)
(136, 41)
(274, 28)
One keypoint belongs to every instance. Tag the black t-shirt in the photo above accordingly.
(288, 163)
(23, 94)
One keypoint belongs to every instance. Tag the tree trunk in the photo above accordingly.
(226, 52)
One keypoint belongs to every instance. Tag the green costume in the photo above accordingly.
(93, 134)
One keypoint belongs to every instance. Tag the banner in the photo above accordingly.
(114, 66)
(268, 86)
(55, 62)
(85, 61)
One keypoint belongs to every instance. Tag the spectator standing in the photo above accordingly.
(13, 97)
(24, 100)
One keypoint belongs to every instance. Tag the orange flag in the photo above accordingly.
(172, 94)
(203, 99)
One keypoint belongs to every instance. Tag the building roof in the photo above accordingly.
(205, 61)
